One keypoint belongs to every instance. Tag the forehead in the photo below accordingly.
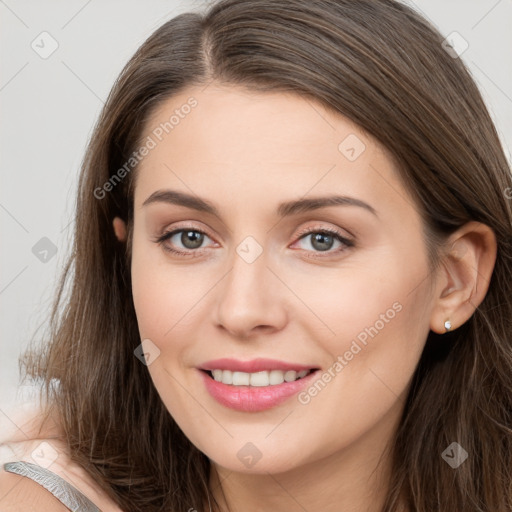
(283, 125)
(230, 141)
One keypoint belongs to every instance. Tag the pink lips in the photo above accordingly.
(253, 366)
(253, 398)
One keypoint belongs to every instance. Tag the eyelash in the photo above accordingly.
(329, 231)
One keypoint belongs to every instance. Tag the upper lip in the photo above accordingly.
(254, 365)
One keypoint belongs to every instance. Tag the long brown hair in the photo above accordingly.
(383, 66)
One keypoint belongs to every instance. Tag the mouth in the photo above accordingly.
(257, 379)
(255, 392)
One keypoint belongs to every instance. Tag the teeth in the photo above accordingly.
(264, 378)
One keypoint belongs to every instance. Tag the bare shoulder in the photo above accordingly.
(21, 494)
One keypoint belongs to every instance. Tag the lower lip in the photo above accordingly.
(253, 398)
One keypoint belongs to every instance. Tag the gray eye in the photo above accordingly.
(321, 241)
(191, 239)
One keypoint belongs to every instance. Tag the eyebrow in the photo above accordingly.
(285, 209)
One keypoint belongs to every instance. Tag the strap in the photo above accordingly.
(62, 490)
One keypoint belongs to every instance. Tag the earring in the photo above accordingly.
(447, 325)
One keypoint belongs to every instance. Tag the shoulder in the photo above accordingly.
(21, 494)
(41, 442)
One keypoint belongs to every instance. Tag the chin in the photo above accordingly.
(259, 465)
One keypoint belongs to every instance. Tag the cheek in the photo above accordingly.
(164, 297)
(341, 303)
(170, 299)
(161, 305)
(375, 350)
(156, 289)
(374, 316)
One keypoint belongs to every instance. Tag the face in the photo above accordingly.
(272, 270)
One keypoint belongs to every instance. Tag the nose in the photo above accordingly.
(251, 299)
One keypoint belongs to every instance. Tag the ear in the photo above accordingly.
(119, 229)
(464, 275)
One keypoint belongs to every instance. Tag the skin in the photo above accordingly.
(246, 152)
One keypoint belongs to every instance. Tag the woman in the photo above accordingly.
(290, 278)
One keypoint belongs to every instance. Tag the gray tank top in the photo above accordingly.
(62, 490)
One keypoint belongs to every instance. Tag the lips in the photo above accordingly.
(253, 399)
(254, 365)
(260, 394)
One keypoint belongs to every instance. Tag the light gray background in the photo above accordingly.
(49, 107)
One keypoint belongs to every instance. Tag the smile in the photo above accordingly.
(258, 379)
(249, 392)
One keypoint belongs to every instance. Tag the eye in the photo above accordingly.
(189, 237)
(323, 239)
